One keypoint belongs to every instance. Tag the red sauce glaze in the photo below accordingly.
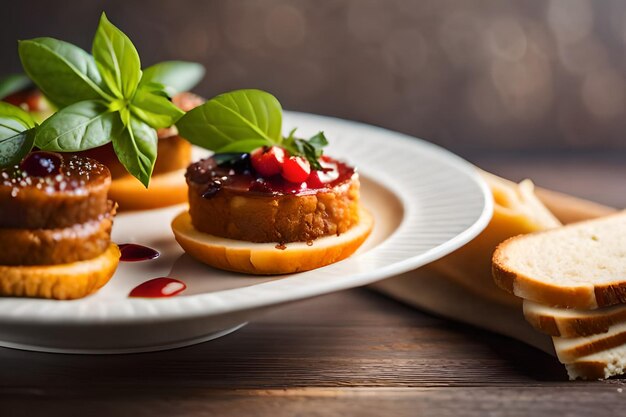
(132, 252)
(243, 179)
(158, 288)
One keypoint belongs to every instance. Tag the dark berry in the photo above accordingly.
(42, 164)
(239, 162)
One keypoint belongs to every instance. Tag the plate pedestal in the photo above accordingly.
(113, 351)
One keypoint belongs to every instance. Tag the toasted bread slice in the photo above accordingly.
(164, 190)
(269, 258)
(516, 211)
(582, 265)
(61, 282)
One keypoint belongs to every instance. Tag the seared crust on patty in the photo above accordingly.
(276, 218)
(56, 246)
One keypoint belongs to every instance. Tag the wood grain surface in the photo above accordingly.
(349, 353)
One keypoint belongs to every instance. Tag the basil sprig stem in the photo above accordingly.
(104, 96)
(243, 120)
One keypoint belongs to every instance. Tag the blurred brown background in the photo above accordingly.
(474, 76)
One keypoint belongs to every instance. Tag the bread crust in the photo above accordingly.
(267, 258)
(61, 282)
(586, 346)
(583, 323)
(584, 296)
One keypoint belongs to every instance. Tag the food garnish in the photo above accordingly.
(104, 97)
(244, 120)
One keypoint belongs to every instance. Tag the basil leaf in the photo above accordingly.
(176, 76)
(81, 126)
(12, 84)
(13, 120)
(231, 117)
(64, 72)
(136, 148)
(156, 110)
(242, 146)
(311, 149)
(14, 148)
(117, 59)
(155, 88)
(318, 141)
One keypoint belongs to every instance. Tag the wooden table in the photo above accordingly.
(349, 353)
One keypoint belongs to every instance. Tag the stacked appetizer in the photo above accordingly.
(111, 110)
(276, 206)
(55, 227)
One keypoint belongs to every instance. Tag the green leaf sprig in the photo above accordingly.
(243, 120)
(17, 134)
(105, 97)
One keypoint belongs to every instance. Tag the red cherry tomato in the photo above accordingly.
(296, 169)
(314, 180)
(268, 161)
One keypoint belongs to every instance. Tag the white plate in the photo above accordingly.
(426, 202)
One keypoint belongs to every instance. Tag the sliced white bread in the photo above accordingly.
(582, 265)
(573, 322)
(600, 365)
(516, 211)
(571, 349)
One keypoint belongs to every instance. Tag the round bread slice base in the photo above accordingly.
(165, 190)
(268, 258)
(61, 282)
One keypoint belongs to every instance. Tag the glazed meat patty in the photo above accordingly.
(236, 204)
(77, 193)
(54, 210)
(79, 242)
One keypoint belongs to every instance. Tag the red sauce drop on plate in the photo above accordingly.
(132, 252)
(158, 288)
